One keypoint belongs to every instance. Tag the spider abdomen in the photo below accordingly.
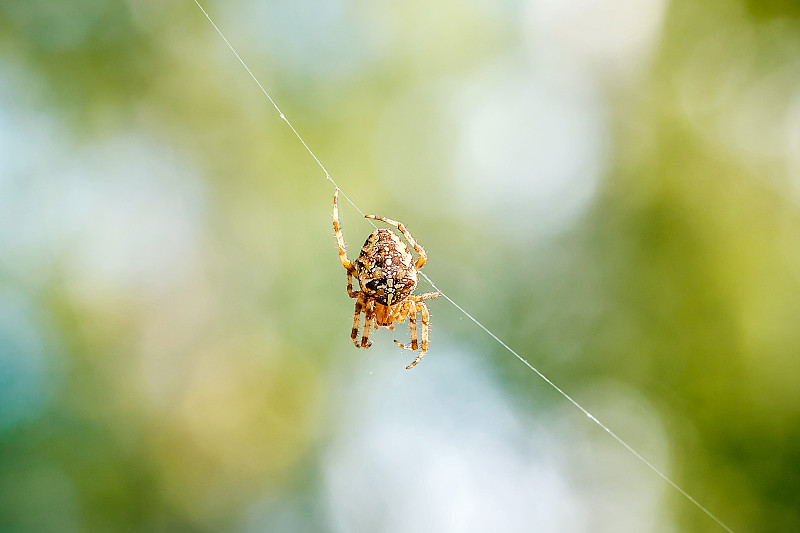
(385, 268)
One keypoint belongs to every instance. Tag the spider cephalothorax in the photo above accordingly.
(387, 275)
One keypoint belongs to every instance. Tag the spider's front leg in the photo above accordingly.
(337, 228)
(427, 296)
(407, 234)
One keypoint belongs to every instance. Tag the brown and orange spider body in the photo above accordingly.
(387, 276)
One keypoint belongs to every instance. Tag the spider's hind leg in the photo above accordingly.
(357, 318)
(369, 318)
(426, 318)
(410, 311)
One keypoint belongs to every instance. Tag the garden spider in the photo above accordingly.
(387, 275)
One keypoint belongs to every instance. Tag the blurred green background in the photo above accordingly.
(612, 187)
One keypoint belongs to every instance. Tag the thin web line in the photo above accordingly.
(480, 325)
(582, 409)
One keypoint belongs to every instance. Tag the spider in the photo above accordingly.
(387, 275)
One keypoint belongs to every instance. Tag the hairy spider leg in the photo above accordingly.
(337, 228)
(407, 234)
(410, 311)
(357, 318)
(427, 296)
(350, 292)
(399, 313)
(426, 318)
(369, 317)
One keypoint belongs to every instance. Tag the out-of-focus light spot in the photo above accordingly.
(616, 489)
(742, 106)
(446, 451)
(319, 38)
(26, 143)
(279, 514)
(792, 146)
(508, 10)
(25, 386)
(443, 451)
(244, 419)
(611, 38)
(528, 151)
(135, 214)
(754, 126)
(715, 72)
(125, 212)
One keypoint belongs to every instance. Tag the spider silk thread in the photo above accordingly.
(468, 315)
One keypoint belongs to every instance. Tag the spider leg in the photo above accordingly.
(407, 234)
(350, 292)
(427, 296)
(369, 317)
(400, 313)
(410, 310)
(337, 228)
(357, 318)
(426, 318)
